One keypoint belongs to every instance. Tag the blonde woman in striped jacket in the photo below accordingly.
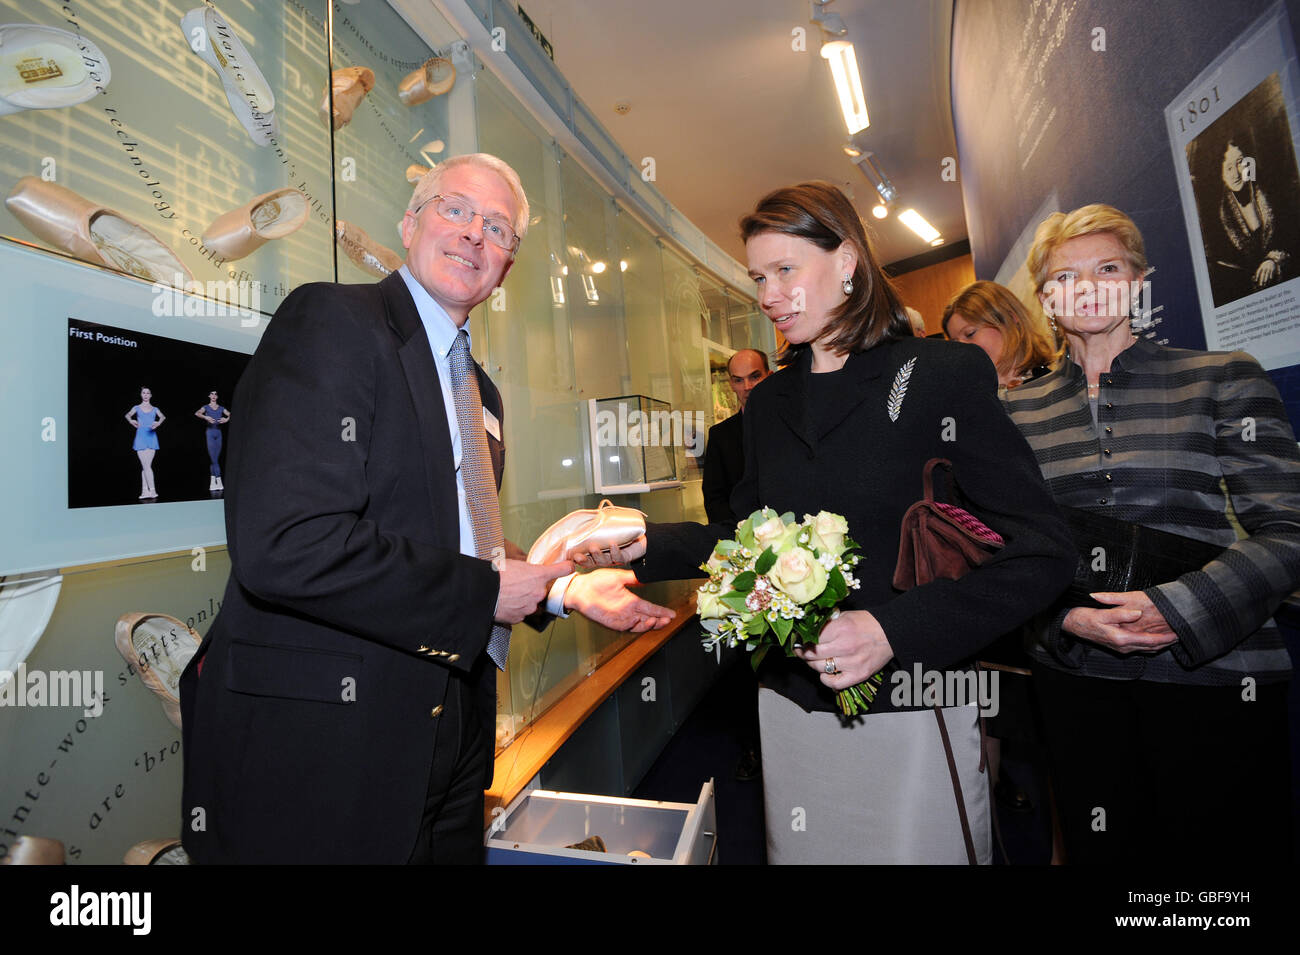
(1165, 709)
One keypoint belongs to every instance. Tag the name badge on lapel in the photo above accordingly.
(491, 423)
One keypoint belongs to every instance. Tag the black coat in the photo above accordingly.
(309, 733)
(855, 461)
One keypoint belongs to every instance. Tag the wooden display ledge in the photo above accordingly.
(518, 763)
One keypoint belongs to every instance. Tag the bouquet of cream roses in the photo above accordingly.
(776, 584)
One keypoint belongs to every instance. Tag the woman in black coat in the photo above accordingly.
(846, 426)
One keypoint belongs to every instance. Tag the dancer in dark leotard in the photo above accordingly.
(214, 415)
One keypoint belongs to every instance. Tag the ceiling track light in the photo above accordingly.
(843, 61)
(831, 23)
(916, 222)
(870, 168)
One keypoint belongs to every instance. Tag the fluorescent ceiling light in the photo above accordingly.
(914, 221)
(848, 83)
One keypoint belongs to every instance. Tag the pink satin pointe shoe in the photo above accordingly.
(92, 233)
(47, 68)
(251, 99)
(415, 172)
(159, 647)
(433, 78)
(33, 850)
(351, 84)
(272, 215)
(369, 255)
(156, 852)
(590, 529)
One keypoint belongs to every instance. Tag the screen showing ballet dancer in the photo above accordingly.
(147, 417)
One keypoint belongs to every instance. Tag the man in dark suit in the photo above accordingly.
(724, 458)
(342, 705)
(724, 465)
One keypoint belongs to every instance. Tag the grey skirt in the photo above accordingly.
(875, 791)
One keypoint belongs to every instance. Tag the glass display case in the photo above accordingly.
(632, 442)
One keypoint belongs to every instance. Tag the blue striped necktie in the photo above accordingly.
(477, 475)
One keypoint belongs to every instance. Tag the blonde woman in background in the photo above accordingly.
(1165, 709)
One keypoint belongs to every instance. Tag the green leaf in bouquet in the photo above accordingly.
(744, 583)
(757, 656)
(727, 548)
(745, 537)
(756, 626)
(788, 518)
(734, 601)
(764, 562)
(835, 584)
(782, 626)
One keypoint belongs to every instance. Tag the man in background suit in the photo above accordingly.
(724, 458)
(724, 465)
(342, 706)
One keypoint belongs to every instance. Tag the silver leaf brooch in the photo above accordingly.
(897, 391)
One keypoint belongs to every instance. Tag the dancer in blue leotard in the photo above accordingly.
(214, 415)
(145, 418)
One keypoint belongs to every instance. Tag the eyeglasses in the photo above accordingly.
(457, 210)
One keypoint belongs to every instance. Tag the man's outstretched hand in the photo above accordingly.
(524, 586)
(602, 596)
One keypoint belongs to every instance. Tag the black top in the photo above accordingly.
(852, 458)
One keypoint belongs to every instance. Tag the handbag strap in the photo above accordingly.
(927, 477)
(956, 781)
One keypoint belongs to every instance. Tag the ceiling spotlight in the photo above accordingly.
(831, 23)
(868, 166)
(852, 151)
(880, 210)
(622, 265)
(598, 267)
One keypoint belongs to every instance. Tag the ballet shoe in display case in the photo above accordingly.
(272, 215)
(415, 172)
(33, 850)
(91, 232)
(371, 257)
(213, 41)
(158, 647)
(350, 85)
(47, 68)
(433, 78)
(157, 852)
(27, 602)
(593, 528)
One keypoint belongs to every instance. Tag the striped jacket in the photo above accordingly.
(1175, 427)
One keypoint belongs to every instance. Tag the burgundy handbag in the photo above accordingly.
(943, 541)
(940, 540)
